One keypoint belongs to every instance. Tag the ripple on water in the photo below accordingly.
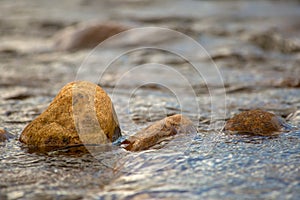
(231, 165)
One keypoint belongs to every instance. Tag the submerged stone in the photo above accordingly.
(81, 113)
(85, 35)
(256, 122)
(158, 132)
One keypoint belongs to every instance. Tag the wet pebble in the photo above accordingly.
(255, 122)
(82, 113)
(85, 35)
(158, 132)
(273, 41)
(4, 135)
(290, 81)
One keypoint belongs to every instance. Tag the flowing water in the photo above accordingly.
(256, 48)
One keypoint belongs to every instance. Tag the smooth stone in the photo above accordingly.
(158, 132)
(255, 122)
(82, 102)
(85, 35)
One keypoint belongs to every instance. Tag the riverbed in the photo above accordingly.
(207, 60)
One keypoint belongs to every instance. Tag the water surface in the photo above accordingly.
(205, 165)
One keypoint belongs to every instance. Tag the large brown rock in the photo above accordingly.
(83, 103)
(158, 132)
(256, 122)
(85, 35)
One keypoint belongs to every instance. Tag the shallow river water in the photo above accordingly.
(250, 59)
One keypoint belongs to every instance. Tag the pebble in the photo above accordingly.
(273, 41)
(85, 35)
(82, 102)
(255, 122)
(290, 81)
(158, 131)
(4, 135)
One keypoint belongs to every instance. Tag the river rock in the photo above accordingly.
(274, 41)
(85, 35)
(3, 135)
(82, 102)
(256, 122)
(158, 132)
(290, 81)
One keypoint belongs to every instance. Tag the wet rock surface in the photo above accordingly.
(159, 131)
(255, 122)
(81, 113)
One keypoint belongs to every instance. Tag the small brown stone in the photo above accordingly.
(290, 81)
(256, 122)
(158, 131)
(85, 35)
(4, 135)
(82, 102)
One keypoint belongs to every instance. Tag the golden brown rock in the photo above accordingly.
(85, 35)
(158, 131)
(256, 122)
(83, 103)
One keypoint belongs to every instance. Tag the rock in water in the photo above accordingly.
(83, 103)
(256, 122)
(159, 131)
(4, 135)
(85, 35)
